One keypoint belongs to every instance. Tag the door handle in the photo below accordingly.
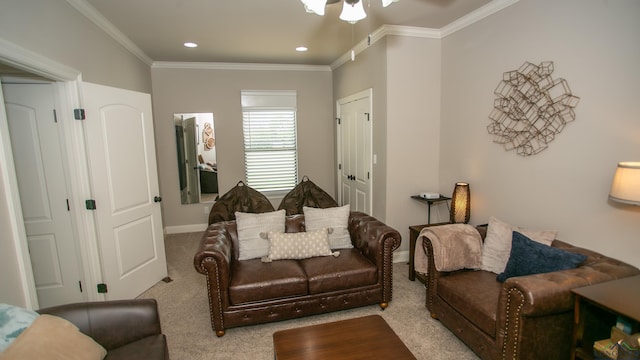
(157, 199)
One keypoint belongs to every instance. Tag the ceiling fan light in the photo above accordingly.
(352, 13)
(386, 3)
(315, 6)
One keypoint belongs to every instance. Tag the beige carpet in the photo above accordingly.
(184, 313)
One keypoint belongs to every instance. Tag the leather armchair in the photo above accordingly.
(526, 317)
(127, 329)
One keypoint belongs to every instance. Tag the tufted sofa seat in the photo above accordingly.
(251, 292)
(526, 317)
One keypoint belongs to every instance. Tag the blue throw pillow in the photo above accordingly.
(13, 321)
(530, 257)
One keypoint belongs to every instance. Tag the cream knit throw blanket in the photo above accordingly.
(455, 247)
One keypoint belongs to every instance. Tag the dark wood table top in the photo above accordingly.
(368, 337)
(620, 296)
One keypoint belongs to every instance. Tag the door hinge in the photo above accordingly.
(78, 114)
(368, 175)
(339, 166)
(80, 285)
(339, 121)
(68, 207)
(91, 204)
(55, 116)
(102, 288)
(367, 115)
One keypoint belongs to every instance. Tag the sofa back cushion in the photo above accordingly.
(252, 232)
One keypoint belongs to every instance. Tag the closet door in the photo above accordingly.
(354, 152)
(36, 142)
(123, 168)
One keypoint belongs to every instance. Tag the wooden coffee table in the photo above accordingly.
(368, 337)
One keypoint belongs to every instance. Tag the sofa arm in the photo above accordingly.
(550, 293)
(433, 274)
(215, 251)
(114, 323)
(213, 259)
(373, 238)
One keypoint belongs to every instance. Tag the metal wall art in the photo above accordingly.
(530, 108)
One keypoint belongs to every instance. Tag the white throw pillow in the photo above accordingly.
(497, 244)
(334, 218)
(251, 244)
(299, 245)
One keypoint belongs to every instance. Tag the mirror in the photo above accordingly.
(196, 150)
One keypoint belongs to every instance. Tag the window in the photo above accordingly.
(270, 147)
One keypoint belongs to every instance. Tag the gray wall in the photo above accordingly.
(404, 73)
(369, 70)
(57, 31)
(218, 91)
(594, 45)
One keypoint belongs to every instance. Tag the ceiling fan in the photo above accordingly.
(352, 10)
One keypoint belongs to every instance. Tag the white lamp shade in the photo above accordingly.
(353, 13)
(315, 6)
(386, 3)
(626, 183)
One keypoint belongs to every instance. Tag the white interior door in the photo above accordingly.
(42, 184)
(123, 169)
(355, 153)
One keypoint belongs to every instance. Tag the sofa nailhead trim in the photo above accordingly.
(217, 273)
(516, 329)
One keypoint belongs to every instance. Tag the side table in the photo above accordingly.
(429, 203)
(597, 308)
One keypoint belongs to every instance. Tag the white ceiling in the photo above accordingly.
(262, 31)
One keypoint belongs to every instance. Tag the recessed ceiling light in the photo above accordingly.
(190, 45)
(301, 48)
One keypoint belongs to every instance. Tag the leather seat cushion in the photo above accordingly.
(151, 347)
(349, 270)
(253, 280)
(474, 294)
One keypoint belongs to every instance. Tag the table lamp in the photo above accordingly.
(460, 203)
(626, 183)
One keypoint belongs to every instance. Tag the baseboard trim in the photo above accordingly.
(401, 256)
(180, 229)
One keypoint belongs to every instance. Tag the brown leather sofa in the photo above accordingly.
(127, 329)
(526, 317)
(252, 292)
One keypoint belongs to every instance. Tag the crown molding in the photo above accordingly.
(475, 16)
(92, 14)
(398, 30)
(236, 66)
(380, 33)
(395, 30)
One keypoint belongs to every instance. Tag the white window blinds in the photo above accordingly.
(270, 148)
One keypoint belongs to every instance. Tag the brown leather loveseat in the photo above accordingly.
(525, 317)
(127, 329)
(251, 292)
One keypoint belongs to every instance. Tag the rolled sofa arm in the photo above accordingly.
(550, 293)
(114, 323)
(374, 238)
(216, 246)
